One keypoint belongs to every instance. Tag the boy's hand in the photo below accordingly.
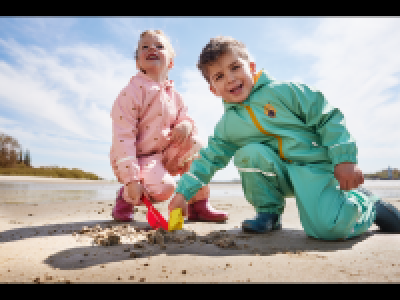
(349, 175)
(181, 132)
(178, 201)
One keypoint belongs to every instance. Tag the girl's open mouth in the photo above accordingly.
(237, 89)
(152, 57)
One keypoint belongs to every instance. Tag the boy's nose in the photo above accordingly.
(230, 77)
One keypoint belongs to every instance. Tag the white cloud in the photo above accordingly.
(62, 99)
(356, 63)
(6, 121)
(126, 29)
(45, 30)
(206, 110)
(72, 87)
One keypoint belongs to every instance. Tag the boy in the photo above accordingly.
(286, 141)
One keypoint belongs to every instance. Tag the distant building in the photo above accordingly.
(390, 173)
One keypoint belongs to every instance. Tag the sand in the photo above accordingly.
(56, 242)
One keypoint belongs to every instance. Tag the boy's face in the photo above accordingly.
(231, 77)
(153, 54)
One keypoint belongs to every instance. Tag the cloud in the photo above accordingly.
(6, 121)
(357, 67)
(71, 87)
(60, 99)
(43, 30)
(206, 110)
(127, 29)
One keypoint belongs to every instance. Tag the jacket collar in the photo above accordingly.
(167, 84)
(260, 79)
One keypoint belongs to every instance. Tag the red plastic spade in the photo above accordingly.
(155, 219)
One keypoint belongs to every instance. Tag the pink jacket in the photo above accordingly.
(142, 117)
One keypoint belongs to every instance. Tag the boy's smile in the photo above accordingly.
(231, 77)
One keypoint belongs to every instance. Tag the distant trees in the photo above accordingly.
(27, 159)
(383, 175)
(14, 162)
(10, 149)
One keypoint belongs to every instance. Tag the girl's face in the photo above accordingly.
(153, 55)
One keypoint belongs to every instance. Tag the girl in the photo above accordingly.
(154, 139)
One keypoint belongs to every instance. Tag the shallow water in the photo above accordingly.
(35, 192)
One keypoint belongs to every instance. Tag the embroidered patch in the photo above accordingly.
(270, 111)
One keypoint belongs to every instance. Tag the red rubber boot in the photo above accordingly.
(203, 211)
(122, 211)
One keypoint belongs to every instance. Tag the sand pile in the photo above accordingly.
(128, 234)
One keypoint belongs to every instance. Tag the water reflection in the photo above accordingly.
(35, 192)
(32, 192)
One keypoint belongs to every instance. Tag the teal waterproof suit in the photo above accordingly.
(286, 140)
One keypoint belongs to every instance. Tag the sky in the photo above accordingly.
(59, 78)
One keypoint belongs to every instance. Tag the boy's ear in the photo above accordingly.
(253, 68)
(213, 90)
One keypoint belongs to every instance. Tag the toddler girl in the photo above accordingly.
(154, 139)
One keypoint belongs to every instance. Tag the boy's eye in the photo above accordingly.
(143, 47)
(219, 76)
(160, 46)
(235, 67)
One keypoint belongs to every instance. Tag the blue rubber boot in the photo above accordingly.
(262, 223)
(387, 216)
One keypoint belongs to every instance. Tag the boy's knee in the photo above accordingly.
(248, 155)
(339, 224)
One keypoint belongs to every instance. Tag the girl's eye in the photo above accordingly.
(160, 46)
(235, 67)
(143, 47)
(218, 77)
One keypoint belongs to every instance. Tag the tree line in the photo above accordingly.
(383, 175)
(11, 153)
(14, 161)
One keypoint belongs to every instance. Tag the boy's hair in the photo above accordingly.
(155, 32)
(217, 47)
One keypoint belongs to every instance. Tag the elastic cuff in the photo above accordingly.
(344, 158)
(269, 210)
(188, 186)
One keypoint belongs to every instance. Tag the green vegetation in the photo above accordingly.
(55, 172)
(383, 175)
(13, 162)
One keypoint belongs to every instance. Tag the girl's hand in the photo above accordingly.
(133, 192)
(181, 132)
(349, 175)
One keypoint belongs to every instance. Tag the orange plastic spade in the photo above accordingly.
(155, 219)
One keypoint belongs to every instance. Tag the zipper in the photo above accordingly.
(259, 127)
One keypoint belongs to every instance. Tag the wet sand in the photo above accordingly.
(55, 242)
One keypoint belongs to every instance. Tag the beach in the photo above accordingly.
(48, 242)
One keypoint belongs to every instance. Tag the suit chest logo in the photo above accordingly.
(270, 111)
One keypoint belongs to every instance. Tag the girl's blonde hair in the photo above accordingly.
(155, 32)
